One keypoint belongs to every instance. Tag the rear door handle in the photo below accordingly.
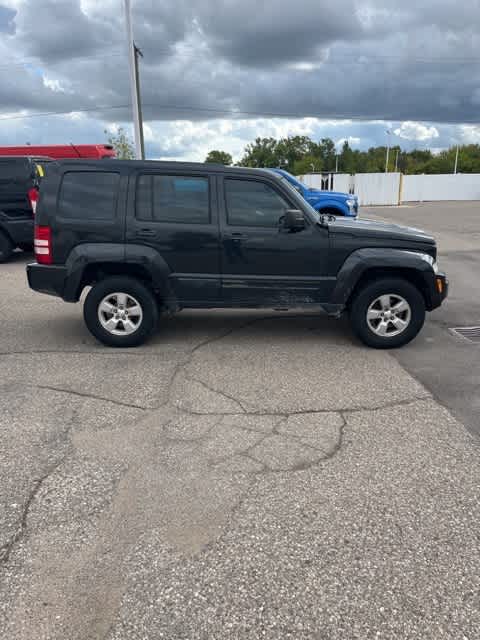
(146, 233)
(236, 236)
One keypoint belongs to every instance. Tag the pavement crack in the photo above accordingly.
(389, 405)
(92, 396)
(217, 391)
(64, 436)
(6, 549)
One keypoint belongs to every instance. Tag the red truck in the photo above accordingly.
(61, 151)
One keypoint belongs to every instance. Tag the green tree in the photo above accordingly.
(261, 153)
(307, 164)
(219, 157)
(346, 161)
(300, 155)
(122, 144)
(292, 149)
(326, 151)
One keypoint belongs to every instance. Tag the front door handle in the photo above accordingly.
(146, 233)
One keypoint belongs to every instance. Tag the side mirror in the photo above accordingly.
(294, 219)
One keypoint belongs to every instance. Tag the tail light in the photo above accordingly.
(33, 197)
(43, 245)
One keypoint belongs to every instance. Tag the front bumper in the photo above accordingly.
(48, 279)
(440, 290)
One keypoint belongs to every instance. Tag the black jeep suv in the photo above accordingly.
(20, 178)
(147, 236)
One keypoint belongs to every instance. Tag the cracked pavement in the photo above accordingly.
(244, 475)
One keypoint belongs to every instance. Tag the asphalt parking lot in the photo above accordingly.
(244, 475)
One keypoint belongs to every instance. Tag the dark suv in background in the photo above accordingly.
(147, 236)
(20, 178)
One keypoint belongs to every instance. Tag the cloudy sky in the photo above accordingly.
(218, 73)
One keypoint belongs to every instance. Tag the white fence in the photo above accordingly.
(393, 188)
(462, 186)
(343, 182)
(377, 188)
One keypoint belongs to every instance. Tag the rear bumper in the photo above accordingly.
(440, 290)
(48, 279)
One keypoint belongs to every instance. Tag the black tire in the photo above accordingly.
(137, 290)
(27, 247)
(332, 212)
(367, 295)
(6, 247)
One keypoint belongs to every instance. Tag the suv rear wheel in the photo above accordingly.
(6, 247)
(387, 313)
(121, 312)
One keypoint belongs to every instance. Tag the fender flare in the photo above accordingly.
(331, 204)
(156, 266)
(85, 255)
(363, 260)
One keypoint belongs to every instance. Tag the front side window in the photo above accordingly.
(88, 195)
(253, 204)
(181, 199)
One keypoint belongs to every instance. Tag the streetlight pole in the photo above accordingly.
(388, 132)
(132, 61)
(456, 161)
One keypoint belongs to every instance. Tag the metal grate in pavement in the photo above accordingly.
(472, 334)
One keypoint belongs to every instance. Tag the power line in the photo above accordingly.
(64, 113)
(39, 64)
(334, 58)
(237, 112)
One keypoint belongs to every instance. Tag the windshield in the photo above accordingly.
(293, 180)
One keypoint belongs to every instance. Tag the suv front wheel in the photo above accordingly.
(387, 313)
(121, 312)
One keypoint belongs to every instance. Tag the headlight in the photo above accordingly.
(351, 203)
(433, 263)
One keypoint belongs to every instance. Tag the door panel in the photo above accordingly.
(177, 216)
(262, 262)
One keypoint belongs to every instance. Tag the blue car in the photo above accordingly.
(340, 204)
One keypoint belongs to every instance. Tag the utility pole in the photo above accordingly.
(456, 161)
(336, 163)
(138, 54)
(396, 161)
(133, 66)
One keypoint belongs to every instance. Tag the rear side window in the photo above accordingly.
(88, 195)
(181, 199)
(14, 170)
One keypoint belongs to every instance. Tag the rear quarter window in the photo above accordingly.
(88, 195)
(14, 170)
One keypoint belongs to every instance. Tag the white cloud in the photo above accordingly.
(470, 134)
(304, 66)
(416, 131)
(54, 85)
(148, 134)
(191, 140)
